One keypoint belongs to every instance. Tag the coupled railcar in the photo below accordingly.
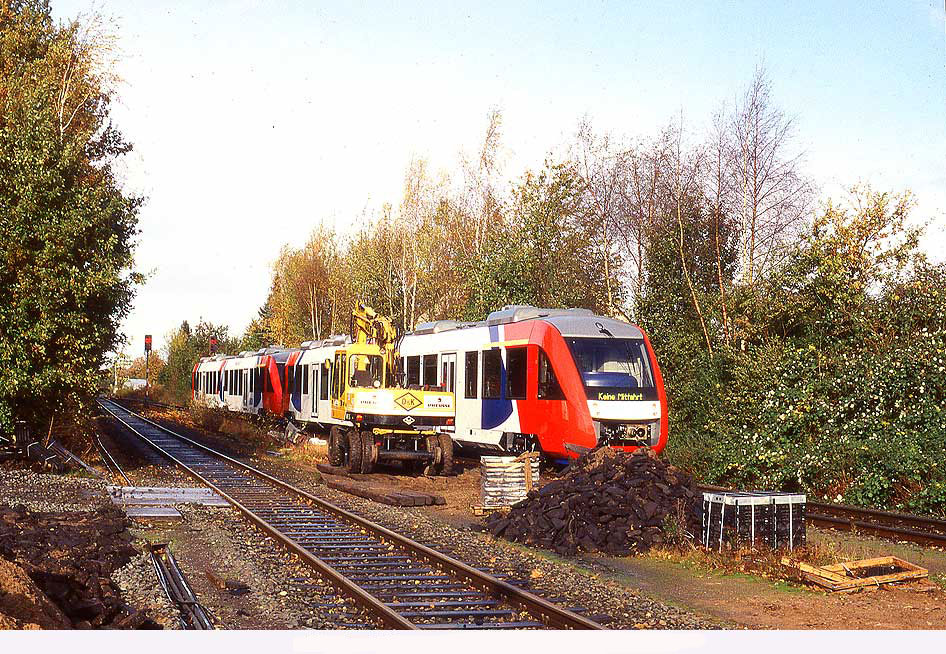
(250, 382)
(558, 381)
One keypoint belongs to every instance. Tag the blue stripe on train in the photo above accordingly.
(495, 412)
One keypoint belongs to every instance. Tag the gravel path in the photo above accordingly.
(44, 492)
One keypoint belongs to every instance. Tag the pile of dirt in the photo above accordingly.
(55, 567)
(608, 501)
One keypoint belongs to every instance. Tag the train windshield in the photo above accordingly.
(612, 364)
(366, 370)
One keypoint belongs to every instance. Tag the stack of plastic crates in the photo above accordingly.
(753, 519)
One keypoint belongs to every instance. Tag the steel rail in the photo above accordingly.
(192, 614)
(550, 614)
(877, 522)
(107, 457)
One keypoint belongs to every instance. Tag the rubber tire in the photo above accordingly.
(353, 464)
(446, 452)
(369, 453)
(432, 469)
(336, 453)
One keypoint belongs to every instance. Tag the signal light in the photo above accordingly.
(449, 421)
(359, 418)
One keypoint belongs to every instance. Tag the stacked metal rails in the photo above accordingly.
(404, 584)
(506, 480)
(192, 614)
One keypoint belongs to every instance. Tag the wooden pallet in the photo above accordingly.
(844, 576)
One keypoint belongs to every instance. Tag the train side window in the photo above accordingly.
(549, 388)
(492, 374)
(413, 371)
(471, 374)
(430, 370)
(323, 386)
(305, 379)
(516, 373)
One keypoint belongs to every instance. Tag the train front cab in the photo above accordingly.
(590, 382)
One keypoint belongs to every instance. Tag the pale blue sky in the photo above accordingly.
(255, 121)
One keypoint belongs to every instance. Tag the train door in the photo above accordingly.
(304, 401)
(339, 384)
(448, 369)
(315, 388)
(245, 373)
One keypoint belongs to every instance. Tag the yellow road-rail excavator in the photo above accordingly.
(383, 420)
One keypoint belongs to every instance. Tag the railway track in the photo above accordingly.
(885, 524)
(402, 583)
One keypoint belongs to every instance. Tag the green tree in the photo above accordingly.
(66, 227)
(184, 348)
(544, 255)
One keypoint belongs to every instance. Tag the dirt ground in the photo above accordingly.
(738, 599)
(753, 602)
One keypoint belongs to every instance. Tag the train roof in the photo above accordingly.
(331, 341)
(569, 322)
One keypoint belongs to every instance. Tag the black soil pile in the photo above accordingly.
(55, 568)
(608, 501)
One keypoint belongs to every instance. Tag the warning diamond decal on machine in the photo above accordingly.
(408, 401)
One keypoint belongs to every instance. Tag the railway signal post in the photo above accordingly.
(147, 363)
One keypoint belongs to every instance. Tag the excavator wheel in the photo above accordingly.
(433, 446)
(353, 464)
(446, 453)
(336, 452)
(369, 452)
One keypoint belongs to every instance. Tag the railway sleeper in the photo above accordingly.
(483, 625)
(383, 570)
(462, 613)
(458, 593)
(338, 559)
(398, 590)
(411, 577)
(406, 605)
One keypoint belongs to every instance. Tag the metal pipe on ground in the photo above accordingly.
(174, 583)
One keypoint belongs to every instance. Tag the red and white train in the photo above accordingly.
(559, 381)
